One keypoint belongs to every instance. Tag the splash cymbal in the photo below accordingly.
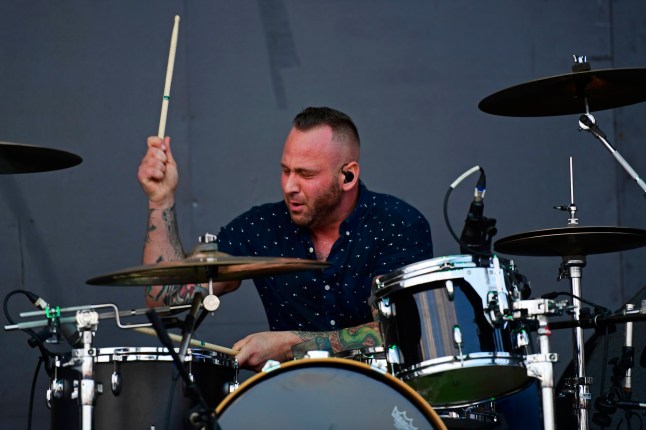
(571, 241)
(20, 158)
(205, 266)
(566, 94)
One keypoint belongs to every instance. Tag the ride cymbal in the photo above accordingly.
(571, 241)
(566, 94)
(205, 266)
(20, 158)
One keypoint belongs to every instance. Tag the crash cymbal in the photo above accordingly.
(20, 158)
(566, 94)
(205, 266)
(572, 241)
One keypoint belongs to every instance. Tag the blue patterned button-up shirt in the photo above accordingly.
(382, 234)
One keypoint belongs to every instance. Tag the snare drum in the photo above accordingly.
(325, 393)
(138, 388)
(445, 329)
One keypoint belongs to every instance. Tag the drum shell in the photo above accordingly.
(152, 394)
(325, 393)
(438, 335)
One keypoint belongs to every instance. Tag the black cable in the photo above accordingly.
(33, 391)
(38, 341)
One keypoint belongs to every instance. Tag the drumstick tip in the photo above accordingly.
(176, 18)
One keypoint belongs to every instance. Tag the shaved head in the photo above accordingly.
(343, 129)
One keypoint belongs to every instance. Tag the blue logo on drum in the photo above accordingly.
(401, 421)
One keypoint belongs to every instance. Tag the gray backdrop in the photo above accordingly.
(87, 77)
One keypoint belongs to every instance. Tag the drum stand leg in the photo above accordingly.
(540, 366)
(87, 322)
(572, 268)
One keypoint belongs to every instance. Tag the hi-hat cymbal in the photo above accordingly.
(572, 241)
(566, 94)
(205, 266)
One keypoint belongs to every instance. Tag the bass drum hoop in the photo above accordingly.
(341, 363)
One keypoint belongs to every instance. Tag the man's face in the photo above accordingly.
(310, 166)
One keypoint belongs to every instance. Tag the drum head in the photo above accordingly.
(325, 394)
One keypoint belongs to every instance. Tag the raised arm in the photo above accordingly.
(158, 176)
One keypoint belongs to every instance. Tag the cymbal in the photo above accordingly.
(566, 94)
(572, 241)
(205, 266)
(20, 158)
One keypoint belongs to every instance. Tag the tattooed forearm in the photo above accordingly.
(173, 295)
(363, 336)
(170, 221)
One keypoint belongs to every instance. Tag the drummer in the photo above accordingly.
(327, 214)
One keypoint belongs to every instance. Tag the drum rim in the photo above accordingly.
(480, 359)
(403, 279)
(334, 362)
(161, 354)
(473, 359)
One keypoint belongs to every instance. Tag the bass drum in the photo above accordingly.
(138, 388)
(445, 330)
(515, 411)
(325, 393)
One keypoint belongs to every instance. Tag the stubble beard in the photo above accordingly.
(320, 209)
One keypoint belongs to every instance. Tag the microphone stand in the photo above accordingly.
(189, 324)
(200, 416)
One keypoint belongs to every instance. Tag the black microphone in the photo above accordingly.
(630, 405)
(189, 324)
(37, 301)
(472, 234)
(159, 328)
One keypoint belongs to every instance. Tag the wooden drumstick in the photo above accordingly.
(169, 78)
(193, 342)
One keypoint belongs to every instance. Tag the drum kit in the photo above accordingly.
(457, 330)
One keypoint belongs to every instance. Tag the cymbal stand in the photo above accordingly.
(571, 267)
(588, 123)
(540, 366)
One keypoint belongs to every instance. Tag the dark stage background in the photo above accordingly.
(87, 77)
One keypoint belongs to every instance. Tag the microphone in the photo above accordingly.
(475, 225)
(189, 324)
(37, 301)
(630, 405)
(159, 328)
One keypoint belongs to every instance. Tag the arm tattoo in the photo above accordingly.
(173, 295)
(363, 336)
(170, 220)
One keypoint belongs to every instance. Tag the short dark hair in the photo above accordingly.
(340, 123)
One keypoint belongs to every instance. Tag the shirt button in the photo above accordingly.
(332, 322)
(311, 249)
(347, 233)
(327, 288)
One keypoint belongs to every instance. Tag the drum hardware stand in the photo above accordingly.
(541, 366)
(86, 319)
(200, 416)
(572, 268)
